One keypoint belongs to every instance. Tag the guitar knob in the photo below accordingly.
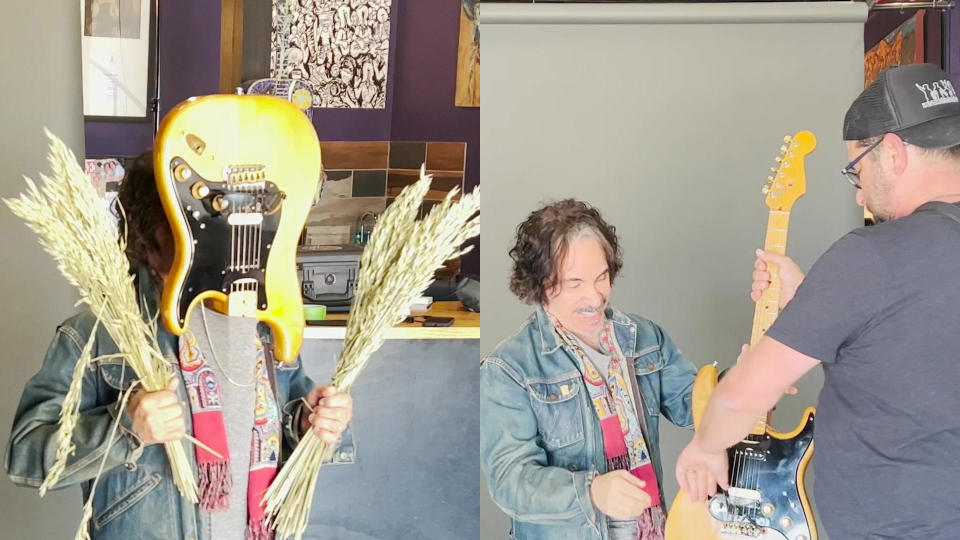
(786, 524)
(182, 172)
(220, 204)
(767, 509)
(200, 190)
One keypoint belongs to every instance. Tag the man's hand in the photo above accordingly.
(699, 472)
(619, 495)
(329, 413)
(158, 416)
(789, 273)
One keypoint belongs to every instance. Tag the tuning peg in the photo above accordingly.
(765, 189)
(773, 169)
(770, 179)
(783, 149)
(778, 159)
(787, 138)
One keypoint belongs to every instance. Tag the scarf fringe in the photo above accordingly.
(617, 463)
(259, 530)
(215, 484)
(651, 524)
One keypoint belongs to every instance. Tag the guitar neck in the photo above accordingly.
(768, 307)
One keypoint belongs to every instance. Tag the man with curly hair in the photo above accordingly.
(569, 405)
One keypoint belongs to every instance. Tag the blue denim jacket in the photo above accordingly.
(540, 438)
(136, 494)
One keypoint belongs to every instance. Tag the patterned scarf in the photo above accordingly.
(623, 443)
(205, 406)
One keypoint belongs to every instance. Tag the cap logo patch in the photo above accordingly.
(937, 93)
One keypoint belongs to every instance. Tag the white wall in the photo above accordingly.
(40, 74)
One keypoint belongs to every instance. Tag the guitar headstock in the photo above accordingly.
(788, 182)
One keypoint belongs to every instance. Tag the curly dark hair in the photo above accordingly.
(542, 241)
(142, 212)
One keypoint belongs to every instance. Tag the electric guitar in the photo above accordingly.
(237, 176)
(767, 498)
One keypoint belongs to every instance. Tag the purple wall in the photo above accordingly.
(952, 38)
(420, 89)
(428, 32)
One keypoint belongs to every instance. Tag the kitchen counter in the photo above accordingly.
(466, 325)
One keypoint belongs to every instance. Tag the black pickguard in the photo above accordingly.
(216, 246)
(770, 467)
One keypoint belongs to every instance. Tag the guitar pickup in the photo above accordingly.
(743, 497)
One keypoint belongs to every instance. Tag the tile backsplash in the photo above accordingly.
(365, 176)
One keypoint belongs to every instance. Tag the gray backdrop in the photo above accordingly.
(667, 118)
(40, 58)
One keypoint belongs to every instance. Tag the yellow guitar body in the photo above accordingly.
(237, 176)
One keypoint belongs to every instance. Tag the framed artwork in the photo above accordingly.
(339, 47)
(901, 47)
(117, 38)
(468, 56)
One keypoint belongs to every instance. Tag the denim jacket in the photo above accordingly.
(136, 494)
(540, 438)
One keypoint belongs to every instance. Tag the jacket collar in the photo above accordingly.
(624, 328)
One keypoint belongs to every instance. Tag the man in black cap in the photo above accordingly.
(880, 310)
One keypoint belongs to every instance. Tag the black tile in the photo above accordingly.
(333, 176)
(407, 155)
(369, 183)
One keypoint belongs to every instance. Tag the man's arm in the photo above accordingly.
(750, 389)
(32, 448)
(676, 383)
(518, 477)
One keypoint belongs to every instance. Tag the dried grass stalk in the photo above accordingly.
(396, 266)
(69, 412)
(76, 229)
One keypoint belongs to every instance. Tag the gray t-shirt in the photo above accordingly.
(234, 343)
(881, 310)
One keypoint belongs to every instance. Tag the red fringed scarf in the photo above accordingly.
(623, 443)
(215, 477)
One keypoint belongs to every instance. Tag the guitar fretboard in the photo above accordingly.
(768, 307)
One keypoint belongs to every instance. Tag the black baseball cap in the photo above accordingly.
(917, 102)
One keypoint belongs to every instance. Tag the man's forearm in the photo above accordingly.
(724, 424)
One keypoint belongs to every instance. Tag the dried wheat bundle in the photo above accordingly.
(397, 266)
(77, 230)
